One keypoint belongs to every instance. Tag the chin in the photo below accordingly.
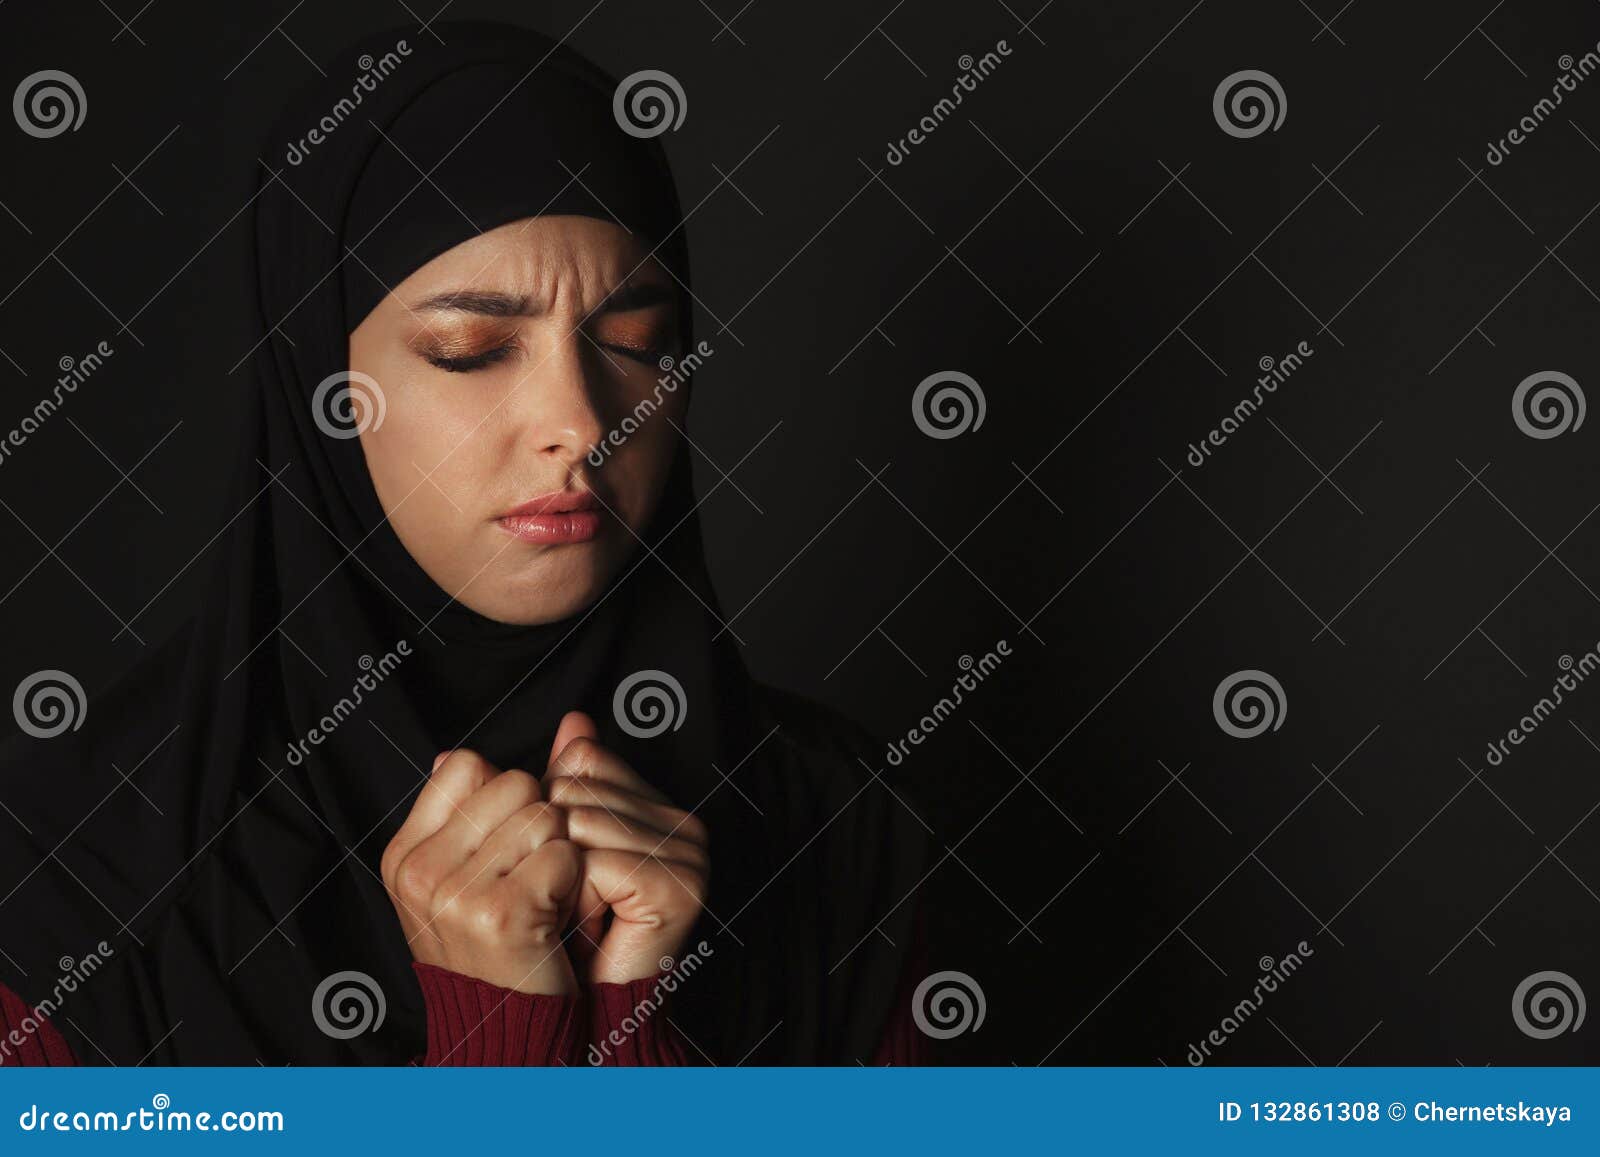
(544, 594)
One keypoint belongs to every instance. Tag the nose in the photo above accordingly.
(557, 404)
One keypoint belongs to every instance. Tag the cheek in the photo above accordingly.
(427, 447)
(636, 472)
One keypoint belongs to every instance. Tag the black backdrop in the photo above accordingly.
(1082, 238)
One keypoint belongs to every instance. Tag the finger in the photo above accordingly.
(456, 775)
(522, 833)
(574, 724)
(646, 896)
(471, 824)
(570, 791)
(597, 828)
(589, 920)
(546, 881)
(640, 888)
(584, 757)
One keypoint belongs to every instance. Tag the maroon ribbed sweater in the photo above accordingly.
(471, 1022)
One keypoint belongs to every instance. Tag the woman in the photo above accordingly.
(456, 759)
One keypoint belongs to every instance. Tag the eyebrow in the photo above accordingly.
(624, 299)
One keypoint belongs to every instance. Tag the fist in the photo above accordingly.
(645, 862)
(484, 876)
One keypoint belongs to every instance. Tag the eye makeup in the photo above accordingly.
(463, 348)
(645, 335)
(479, 330)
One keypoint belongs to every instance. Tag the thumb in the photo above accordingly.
(574, 725)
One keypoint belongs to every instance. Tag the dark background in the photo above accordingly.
(1083, 239)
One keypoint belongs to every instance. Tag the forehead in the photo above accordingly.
(540, 257)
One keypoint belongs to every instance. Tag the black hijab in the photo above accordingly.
(195, 865)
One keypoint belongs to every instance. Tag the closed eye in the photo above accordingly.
(645, 355)
(470, 362)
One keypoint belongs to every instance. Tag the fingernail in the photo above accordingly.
(440, 758)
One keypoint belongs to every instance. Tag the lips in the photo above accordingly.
(565, 516)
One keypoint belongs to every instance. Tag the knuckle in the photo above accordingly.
(488, 914)
(470, 917)
(673, 894)
(691, 826)
(692, 886)
(389, 863)
(461, 767)
(598, 822)
(544, 887)
(580, 754)
(518, 785)
(566, 787)
(541, 821)
(694, 854)
(413, 881)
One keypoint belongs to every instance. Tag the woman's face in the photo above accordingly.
(502, 364)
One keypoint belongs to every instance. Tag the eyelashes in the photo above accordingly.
(467, 363)
(649, 355)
